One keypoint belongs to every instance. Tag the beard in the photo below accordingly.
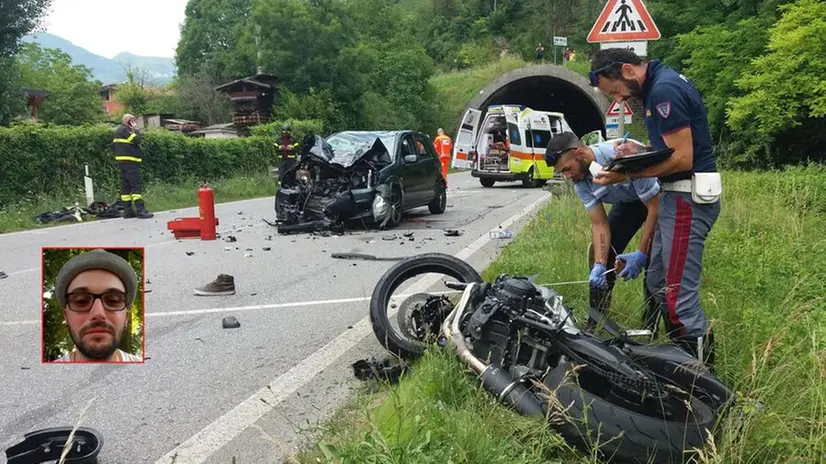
(634, 88)
(97, 352)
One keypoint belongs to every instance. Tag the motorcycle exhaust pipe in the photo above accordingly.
(495, 380)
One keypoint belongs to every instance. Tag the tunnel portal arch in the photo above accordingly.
(548, 88)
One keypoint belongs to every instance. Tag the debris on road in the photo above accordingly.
(230, 322)
(190, 253)
(502, 233)
(408, 234)
(389, 237)
(388, 369)
(230, 239)
(3, 275)
(227, 248)
(247, 255)
(365, 257)
(240, 213)
(47, 445)
(269, 238)
(253, 293)
(224, 284)
(452, 233)
(266, 248)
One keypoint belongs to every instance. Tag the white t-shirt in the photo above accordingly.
(124, 357)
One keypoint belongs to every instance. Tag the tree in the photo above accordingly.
(198, 100)
(73, 95)
(784, 90)
(216, 39)
(18, 19)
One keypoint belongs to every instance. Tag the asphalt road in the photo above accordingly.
(198, 397)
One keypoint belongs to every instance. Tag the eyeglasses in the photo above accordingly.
(82, 302)
(594, 74)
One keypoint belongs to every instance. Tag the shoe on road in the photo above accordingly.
(223, 285)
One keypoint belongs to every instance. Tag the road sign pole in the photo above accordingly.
(554, 54)
(622, 119)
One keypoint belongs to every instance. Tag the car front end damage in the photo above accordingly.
(326, 189)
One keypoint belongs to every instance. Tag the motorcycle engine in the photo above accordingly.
(488, 328)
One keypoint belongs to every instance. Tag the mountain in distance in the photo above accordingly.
(159, 71)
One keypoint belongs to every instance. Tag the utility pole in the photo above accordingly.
(259, 68)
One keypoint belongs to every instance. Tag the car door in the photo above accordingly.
(411, 173)
(466, 140)
(431, 169)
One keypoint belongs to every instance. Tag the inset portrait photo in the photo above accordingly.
(93, 305)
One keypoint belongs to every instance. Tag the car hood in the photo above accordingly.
(373, 153)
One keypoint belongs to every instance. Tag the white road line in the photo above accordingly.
(225, 428)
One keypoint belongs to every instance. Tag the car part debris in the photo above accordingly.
(247, 255)
(388, 369)
(190, 253)
(3, 275)
(366, 257)
(452, 233)
(266, 248)
(389, 237)
(227, 248)
(47, 445)
(502, 233)
(230, 322)
(408, 234)
(223, 285)
(230, 239)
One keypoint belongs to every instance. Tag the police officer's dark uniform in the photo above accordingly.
(128, 154)
(287, 151)
(688, 208)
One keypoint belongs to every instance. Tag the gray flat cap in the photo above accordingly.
(96, 259)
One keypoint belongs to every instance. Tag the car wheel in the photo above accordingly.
(439, 204)
(530, 182)
(487, 182)
(396, 208)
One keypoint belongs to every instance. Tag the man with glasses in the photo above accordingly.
(96, 290)
(675, 117)
(634, 205)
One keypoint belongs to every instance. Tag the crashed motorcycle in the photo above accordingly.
(632, 402)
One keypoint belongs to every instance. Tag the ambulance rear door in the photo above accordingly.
(466, 139)
(517, 156)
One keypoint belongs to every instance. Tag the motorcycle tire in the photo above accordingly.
(588, 420)
(402, 271)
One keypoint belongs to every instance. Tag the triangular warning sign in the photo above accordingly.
(613, 110)
(623, 20)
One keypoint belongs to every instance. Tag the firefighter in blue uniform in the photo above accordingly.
(127, 147)
(675, 117)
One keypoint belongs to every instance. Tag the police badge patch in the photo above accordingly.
(664, 109)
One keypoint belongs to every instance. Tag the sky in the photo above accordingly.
(108, 27)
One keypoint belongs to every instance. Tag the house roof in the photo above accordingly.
(36, 92)
(261, 81)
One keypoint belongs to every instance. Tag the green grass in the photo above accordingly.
(456, 89)
(158, 197)
(763, 288)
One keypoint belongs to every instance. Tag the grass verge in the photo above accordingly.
(158, 197)
(763, 288)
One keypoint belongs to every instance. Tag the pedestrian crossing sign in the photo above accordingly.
(624, 20)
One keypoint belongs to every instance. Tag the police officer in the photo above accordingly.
(127, 147)
(689, 205)
(286, 149)
(634, 206)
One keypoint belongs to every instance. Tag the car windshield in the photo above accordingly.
(349, 142)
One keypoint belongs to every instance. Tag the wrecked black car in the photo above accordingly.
(352, 176)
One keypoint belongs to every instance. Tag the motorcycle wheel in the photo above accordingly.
(587, 415)
(398, 274)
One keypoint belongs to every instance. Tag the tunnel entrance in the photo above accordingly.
(548, 88)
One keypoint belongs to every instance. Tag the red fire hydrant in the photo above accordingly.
(206, 208)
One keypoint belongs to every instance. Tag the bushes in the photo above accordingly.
(35, 160)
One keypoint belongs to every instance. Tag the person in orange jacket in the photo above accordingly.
(444, 147)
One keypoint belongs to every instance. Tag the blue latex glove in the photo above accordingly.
(633, 263)
(597, 276)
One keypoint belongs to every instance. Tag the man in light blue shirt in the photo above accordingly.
(634, 205)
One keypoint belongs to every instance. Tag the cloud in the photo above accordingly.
(108, 27)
